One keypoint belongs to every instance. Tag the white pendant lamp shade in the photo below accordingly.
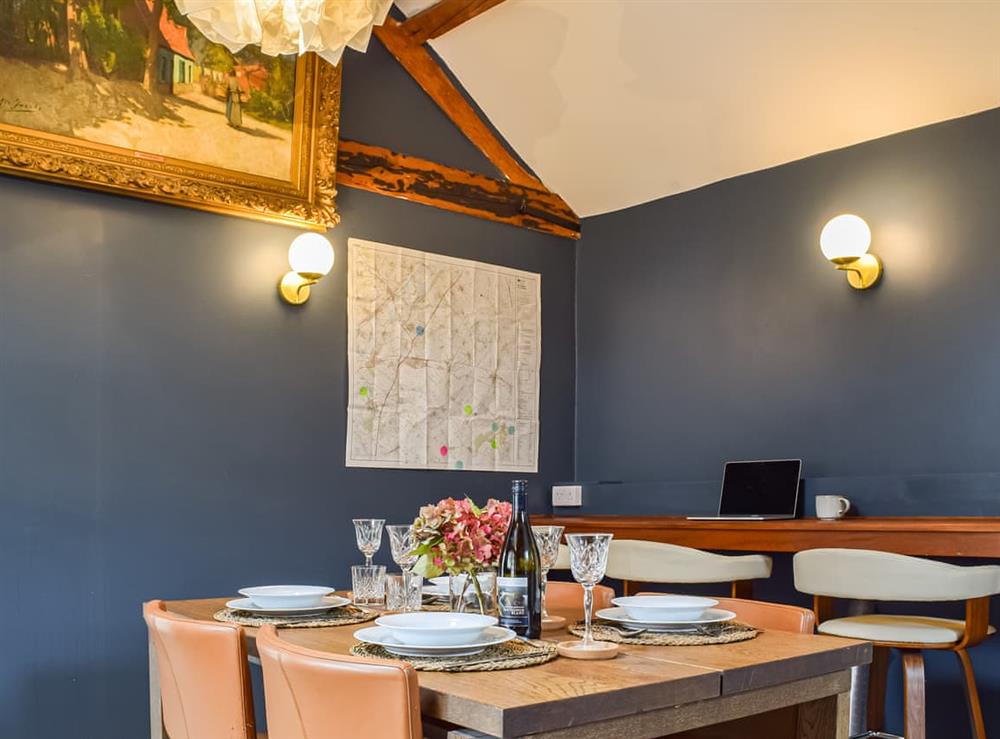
(326, 27)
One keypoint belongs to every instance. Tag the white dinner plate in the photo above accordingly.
(711, 616)
(329, 603)
(381, 636)
(436, 591)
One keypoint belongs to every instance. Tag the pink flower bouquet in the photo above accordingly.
(458, 537)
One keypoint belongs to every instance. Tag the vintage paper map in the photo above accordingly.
(443, 357)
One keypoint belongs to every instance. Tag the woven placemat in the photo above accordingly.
(726, 633)
(343, 616)
(510, 655)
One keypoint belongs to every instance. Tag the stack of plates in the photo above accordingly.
(287, 600)
(665, 612)
(434, 634)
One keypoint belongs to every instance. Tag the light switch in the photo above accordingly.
(567, 495)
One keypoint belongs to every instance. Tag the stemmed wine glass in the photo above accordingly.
(548, 538)
(402, 541)
(588, 559)
(368, 532)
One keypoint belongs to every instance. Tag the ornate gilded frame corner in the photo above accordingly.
(307, 200)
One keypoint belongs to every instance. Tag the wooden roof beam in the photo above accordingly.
(416, 60)
(445, 16)
(380, 170)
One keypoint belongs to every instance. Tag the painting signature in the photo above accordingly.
(16, 105)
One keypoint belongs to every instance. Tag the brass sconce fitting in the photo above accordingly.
(845, 241)
(311, 258)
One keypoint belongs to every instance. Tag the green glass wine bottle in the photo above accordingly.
(519, 593)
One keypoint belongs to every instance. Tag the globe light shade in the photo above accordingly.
(311, 255)
(845, 238)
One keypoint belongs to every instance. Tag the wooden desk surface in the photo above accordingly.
(921, 536)
(567, 693)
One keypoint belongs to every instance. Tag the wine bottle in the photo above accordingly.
(519, 593)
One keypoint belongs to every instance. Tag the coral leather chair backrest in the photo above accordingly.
(318, 695)
(763, 615)
(569, 596)
(204, 677)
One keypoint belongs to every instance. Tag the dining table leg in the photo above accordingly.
(155, 708)
(829, 717)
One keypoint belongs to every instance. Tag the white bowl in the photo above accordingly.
(665, 607)
(435, 628)
(286, 596)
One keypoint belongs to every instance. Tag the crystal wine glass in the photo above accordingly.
(402, 541)
(588, 559)
(547, 538)
(368, 532)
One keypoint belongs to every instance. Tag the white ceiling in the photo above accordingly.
(617, 102)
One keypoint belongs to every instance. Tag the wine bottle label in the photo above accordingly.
(512, 599)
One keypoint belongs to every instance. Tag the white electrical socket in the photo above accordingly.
(567, 495)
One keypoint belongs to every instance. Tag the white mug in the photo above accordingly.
(832, 507)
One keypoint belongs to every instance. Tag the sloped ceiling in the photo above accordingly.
(617, 102)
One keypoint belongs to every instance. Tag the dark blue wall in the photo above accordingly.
(168, 428)
(710, 328)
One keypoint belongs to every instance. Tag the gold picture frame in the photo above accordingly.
(306, 200)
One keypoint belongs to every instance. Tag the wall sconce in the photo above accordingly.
(845, 241)
(311, 257)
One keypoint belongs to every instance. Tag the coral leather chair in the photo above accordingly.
(318, 695)
(568, 596)
(204, 676)
(864, 574)
(768, 616)
(634, 560)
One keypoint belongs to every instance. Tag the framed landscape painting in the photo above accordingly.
(128, 97)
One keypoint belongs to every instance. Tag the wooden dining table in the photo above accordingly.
(778, 684)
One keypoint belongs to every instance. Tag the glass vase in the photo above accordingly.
(472, 592)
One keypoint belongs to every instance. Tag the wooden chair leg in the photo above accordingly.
(626, 588)
(742, 589)
(915, 726)
(878, 675)
(971, 695)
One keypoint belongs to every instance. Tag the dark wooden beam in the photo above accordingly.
(447, 15)
(380, 170)
(416, 60)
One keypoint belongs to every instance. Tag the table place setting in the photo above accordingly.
(667, 620)
(292, 606)
(443, 642)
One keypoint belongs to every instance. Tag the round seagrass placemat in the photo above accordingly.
(510, 655)
(726, 633)
(343, 616)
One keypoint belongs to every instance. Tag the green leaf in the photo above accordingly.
(425, 566)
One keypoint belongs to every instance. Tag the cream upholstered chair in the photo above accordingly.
(632, 560)
(562, 561)
(868, 575)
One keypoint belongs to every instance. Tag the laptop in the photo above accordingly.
(760, 490)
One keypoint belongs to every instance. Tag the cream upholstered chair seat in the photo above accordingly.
(900, 629)
(652, 561)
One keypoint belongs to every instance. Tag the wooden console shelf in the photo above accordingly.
(929, 537)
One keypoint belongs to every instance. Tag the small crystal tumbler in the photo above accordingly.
(368, 584)
(403, 591)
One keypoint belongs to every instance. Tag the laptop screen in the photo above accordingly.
(760, 488)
